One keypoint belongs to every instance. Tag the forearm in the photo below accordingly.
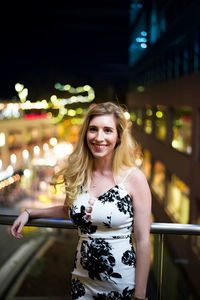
(57, 212)
(142, 268)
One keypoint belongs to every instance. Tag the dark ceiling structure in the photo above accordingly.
(75, 42)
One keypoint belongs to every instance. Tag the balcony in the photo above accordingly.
(26, 271)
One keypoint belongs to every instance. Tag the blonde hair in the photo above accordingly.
(80, 163)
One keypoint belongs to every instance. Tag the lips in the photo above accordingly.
(98, 147)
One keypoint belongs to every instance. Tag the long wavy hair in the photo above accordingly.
(77, 174)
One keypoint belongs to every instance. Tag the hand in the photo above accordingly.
(18, 224)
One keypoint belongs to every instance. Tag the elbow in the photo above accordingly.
(143, 243)
(65, 212)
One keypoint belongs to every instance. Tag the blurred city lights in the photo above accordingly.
(6, 173)
(53, 141)
(149, 112)
(19, 87)
(138, 162)
(143, 33)
(71, 112)
(67, 87)
(27, 173)
(8, 181)
(13, 159)
(79, 110)
(175, 144)
(12, 110)
(2, 139)
(140, 88)
(126, 115)
(25, 154)
(63, 149)
(141, 40)
(143, 46)
(159, 114)
(23, 95)
(36, 150)
(45, 147)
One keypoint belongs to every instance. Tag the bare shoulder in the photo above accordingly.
(136, 175)
(137, 183)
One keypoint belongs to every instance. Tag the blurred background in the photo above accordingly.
(57, 59)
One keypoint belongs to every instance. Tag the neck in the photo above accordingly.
(102, 165)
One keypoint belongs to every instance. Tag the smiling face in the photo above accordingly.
(102, 136)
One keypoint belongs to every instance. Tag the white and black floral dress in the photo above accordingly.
(104, 266)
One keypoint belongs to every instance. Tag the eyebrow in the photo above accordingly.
(107, 127)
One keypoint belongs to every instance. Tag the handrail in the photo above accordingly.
(157, 228)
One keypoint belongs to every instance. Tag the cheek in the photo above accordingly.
(87, 138)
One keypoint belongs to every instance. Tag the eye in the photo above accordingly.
(108, 130)
(92, 128)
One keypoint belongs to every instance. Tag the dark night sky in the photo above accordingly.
(76, 42)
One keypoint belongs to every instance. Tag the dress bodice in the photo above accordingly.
(111, 215)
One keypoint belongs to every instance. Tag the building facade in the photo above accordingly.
(164, 103)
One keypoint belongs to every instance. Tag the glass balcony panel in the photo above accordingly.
(178, 282)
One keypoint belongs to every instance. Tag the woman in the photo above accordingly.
(104, 191)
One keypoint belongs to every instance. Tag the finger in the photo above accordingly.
(19, 236)
(20, 228)
(14, 229)
(16, 234)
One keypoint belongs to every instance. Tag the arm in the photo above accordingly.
(142, 214)
(51, 212)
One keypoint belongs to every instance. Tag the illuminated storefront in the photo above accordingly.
(182, 129)
(158, 180)
(148, 124)
(161, 123)
(178, 202)
(146, 165)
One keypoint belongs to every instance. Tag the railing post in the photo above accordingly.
(160, 266)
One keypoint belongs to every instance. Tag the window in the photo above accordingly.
(133, 116)
(182, 129)
(161, 123)
(178, 203)
(158, 181)
(148, 127)
(138, 39)
(146, 165)
(136, 116)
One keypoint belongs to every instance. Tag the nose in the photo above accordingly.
(99, 136)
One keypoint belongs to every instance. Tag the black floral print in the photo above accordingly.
(124, 204)
(108, 224)
(97, 258)
(79, 219)
(114, 295)
(78, 289)
(110, 195)
(128, 258)
(105, 256)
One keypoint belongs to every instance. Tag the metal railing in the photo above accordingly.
(156, 228)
